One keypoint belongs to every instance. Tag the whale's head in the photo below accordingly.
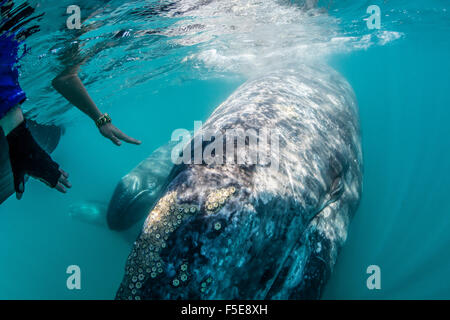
(258, 231)
(130, 201)
(136, 192)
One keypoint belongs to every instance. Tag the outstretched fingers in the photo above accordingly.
(115, 140)
(116, 136)
(63, 182)
(59, 187)
(64, 179)
(122, 136)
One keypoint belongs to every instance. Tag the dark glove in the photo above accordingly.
(28, 158)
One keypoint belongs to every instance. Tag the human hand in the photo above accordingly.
(28, 158)
(111, 132)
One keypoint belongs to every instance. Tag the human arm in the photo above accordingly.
(27, 157)
(69, 85)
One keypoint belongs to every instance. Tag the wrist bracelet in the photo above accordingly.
(104, 119)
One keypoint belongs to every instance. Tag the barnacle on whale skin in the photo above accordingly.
(217, 199)
(145, 261)
(160, 223)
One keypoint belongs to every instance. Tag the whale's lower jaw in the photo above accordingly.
(311, 260)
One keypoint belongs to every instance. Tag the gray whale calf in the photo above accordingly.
(233, 231)
(137, 191)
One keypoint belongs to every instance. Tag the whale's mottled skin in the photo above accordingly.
(255, 231)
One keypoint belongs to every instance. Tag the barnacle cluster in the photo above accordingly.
(217, 198)
(145, 261)
(205, 284)
(182, 276)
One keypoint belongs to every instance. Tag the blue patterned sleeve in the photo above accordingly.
(11, 93)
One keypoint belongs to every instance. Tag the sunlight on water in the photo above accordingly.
(152, 42)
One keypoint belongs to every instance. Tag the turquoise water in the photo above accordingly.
(154, 83)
